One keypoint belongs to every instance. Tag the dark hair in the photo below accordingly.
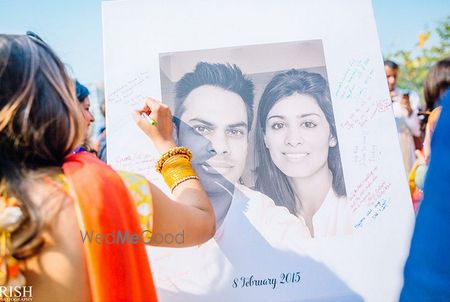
(226, 76)
(390, 64)
(40, 124)
(437, 82)
(270, 180)
(81, 91)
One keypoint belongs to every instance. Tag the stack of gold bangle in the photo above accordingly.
(175, 167)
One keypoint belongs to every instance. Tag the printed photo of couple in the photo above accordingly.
(259, 120)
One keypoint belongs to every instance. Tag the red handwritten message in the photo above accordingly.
(369, 191)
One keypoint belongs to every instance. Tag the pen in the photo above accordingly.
(152, 122)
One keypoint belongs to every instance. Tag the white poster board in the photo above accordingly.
(261, 252)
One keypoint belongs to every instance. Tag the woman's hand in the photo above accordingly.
(160, 131)
(191, 213)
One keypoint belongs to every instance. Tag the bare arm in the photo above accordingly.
(187, 221)
(190, 215)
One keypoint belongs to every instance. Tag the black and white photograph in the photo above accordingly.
(261, 117)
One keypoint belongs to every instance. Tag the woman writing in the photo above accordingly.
(49, 194)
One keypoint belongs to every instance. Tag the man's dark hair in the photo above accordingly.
(390, 64)
(226, 76)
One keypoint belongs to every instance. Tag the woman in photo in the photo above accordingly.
(297, 152)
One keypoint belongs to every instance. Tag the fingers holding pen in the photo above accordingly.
(155, 119)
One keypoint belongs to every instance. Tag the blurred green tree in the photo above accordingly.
(415, 64)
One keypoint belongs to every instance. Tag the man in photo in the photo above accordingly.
(214, 107)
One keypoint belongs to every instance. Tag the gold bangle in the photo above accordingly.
(176, 170)
(183, 180)
(174, 151)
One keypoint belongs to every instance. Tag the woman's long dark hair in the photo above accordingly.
(269, 179)
(40, 124)
(437, 82)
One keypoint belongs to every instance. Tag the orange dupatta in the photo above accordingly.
(118, 271)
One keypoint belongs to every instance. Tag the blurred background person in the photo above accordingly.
(85, 104)
(405, 105)
(437, 81)
(100, 146)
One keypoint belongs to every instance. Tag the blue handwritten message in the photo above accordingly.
(354, 83)
(373, 213)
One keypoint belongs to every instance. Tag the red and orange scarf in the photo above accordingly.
(117, 272)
